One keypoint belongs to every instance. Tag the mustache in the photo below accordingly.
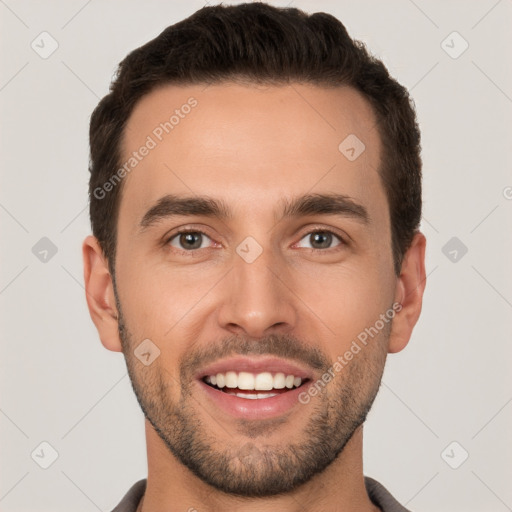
(284, 346)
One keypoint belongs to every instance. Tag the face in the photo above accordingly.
(252, 252)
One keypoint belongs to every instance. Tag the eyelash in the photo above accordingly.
(194, 252)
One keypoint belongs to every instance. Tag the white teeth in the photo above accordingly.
(220, 380)
(246, 395)
(245, 380)
(264, 381)
(251, 396)
(231, 380)
(266, 395)
(279, 380)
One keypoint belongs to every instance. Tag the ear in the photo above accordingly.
(100, 294)
(409, 293)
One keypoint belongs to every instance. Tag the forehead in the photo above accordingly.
(250, 145)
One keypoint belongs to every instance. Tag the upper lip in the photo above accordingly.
(255, 365)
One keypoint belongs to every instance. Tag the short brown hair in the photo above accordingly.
(262, 44)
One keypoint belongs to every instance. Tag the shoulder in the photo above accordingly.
(381, 497)
(131, 499)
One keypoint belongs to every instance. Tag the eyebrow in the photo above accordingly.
(171, 205)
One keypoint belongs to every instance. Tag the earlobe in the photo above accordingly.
(409, 293)
(100, 295)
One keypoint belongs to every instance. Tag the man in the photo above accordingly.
(255, 198)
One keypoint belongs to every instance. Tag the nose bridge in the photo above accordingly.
(256, 299)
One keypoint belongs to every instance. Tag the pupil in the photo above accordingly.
(323, 239)
(190, 240)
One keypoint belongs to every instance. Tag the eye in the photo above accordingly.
(189, 240)
(321, 239)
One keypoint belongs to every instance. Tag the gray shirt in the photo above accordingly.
(379, 495)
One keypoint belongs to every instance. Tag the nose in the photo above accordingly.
(257, 299)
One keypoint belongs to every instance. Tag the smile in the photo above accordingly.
(257, 389)
(248, 385)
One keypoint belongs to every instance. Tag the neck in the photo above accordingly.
(171, 486)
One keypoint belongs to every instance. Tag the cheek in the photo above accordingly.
(159, 302)
(346, 300)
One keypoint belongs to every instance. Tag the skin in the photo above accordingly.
(251, 146)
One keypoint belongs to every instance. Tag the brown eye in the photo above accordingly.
(189, 240)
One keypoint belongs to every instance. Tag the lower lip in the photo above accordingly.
(253, 409)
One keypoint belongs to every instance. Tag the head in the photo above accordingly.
(292, 159)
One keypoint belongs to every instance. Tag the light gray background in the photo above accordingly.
(453, 381)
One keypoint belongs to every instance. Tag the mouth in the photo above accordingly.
(251, 386)
(254, 388)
